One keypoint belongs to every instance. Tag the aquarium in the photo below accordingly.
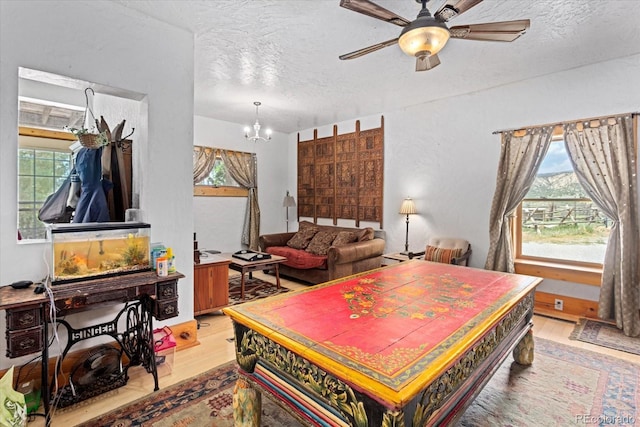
(92, 250)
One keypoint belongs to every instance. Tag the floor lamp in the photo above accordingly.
(407, 208)
(288, 202)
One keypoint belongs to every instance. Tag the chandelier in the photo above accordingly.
(256, 128)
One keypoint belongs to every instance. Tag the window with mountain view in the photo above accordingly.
(558, 220)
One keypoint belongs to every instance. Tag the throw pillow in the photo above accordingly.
(301, 239)
(321, 242)
(436, 254)
(365, 234)
(344, 237)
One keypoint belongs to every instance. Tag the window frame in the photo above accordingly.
(551, 268)
(223, 191)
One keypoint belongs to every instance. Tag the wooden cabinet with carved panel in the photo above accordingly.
(211, 284)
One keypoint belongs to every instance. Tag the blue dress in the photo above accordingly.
(92, 206)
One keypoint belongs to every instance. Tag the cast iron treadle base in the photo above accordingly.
(102, 385)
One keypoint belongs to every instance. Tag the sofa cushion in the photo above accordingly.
(365, 234)
(437, 254)
(321, 242)
(301, 239)
(297, 258)
(345, 237)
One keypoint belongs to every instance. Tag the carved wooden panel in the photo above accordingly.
(325, 177)
(342, 176)
(371, 173)
(346, 176)
(306, 179)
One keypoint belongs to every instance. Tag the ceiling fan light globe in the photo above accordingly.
(423, 39)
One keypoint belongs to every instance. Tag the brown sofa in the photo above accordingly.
(315, 266)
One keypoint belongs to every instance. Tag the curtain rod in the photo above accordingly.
(633, 114)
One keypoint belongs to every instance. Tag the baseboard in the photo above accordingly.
(573, 308)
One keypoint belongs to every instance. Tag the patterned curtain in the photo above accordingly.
(603, 155)
(243, 167)
(520, 158)
(203, 160)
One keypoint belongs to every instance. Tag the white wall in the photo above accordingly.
(218, 220)
(445, 156)
(98, 42)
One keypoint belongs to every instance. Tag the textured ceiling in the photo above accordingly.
(284, 53)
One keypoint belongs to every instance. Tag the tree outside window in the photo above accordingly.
(219, 176)
(40, 173)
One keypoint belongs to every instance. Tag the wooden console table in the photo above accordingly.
(145, 295)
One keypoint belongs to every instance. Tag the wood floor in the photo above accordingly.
(215, 348)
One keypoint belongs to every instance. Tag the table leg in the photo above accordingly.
(242, 285)
(44, 374)
(277, 276)
(146, 336)
(247, 404)
(523, 351)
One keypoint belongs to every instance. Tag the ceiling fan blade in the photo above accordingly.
(361, 52)
(506, 31)
(373, 10)
(453, 8)
(424, 63)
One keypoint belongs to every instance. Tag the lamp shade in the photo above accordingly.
(288, 201)
(408, 207)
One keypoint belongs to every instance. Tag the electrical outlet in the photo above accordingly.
(558, 304)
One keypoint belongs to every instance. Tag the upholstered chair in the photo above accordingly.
(447, 250)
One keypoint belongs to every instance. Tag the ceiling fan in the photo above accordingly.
(425, 36)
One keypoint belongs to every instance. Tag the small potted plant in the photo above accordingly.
(89, 139)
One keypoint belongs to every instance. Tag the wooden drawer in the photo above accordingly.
(165, 309)
(167, 290)
(25, 341)
(23, 318)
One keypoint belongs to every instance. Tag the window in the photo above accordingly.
(40, 173)
(558, 226)
(219, 176)
(218, 183)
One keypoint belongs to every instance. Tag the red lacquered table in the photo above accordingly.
(410, 344)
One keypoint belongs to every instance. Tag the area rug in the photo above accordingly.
(253, 289)
(605, 335)
(564, 386)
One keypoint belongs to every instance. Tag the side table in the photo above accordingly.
(395, 257)
(244, 267)
(210, 284)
